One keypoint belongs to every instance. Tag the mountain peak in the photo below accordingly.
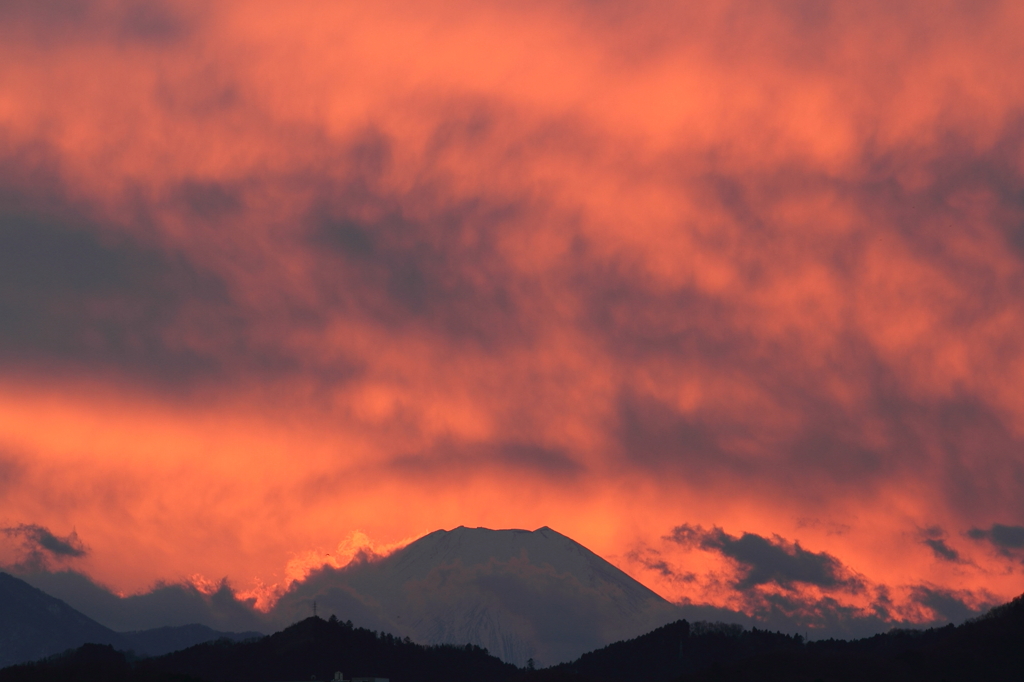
(521, 594)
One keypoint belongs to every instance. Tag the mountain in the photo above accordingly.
(160, 641)
(517, 593)
(34, 624)
(166, 604)
(318, 648)
(987, 648)
(311, 649)
(87, 663)
(674, 651)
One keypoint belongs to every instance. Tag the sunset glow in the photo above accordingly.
(283, 283)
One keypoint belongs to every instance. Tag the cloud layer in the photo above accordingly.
(40, 549)
(765, 561)
(270, 275)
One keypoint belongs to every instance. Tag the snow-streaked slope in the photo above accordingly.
(521, 594)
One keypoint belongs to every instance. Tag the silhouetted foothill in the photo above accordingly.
(987, 648)
(317, 648)
(88, 663)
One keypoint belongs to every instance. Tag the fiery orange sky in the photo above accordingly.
(283, 280)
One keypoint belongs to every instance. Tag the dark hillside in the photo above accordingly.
(674, 650)
(87, 663)
(989, 648)
(34, 624)
(311, 649)
(160, 641)
(317, 648)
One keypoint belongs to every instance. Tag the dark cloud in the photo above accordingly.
(947, 604)
(154, 23)
(942, 550)
(207, 200)
(76, 293)
(825, 617)
(453, 459)
(658, 436)
(817, 618)
(163, 605)
(829, 454)
(768, 561)
(1008, 540)
(420, 261)
(58, 22)
(450, 461)
(44, 16)
(694, 332)
(966, 433)
(80, 294)
(623, 308)
(41, 548)
(697, 334)
(935, 539)
(652, 559)
(346, 236)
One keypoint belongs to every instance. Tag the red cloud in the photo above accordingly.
(272, 274)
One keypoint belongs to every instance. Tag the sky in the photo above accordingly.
(732, 293)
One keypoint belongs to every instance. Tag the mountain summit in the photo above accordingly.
(520, 594)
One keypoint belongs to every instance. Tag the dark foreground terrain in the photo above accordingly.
(988, 648)
(311, 649)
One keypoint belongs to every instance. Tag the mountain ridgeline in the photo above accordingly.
(311, 649)
(487, 606)
(520, 594)
(34, 625)
(988, 648)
